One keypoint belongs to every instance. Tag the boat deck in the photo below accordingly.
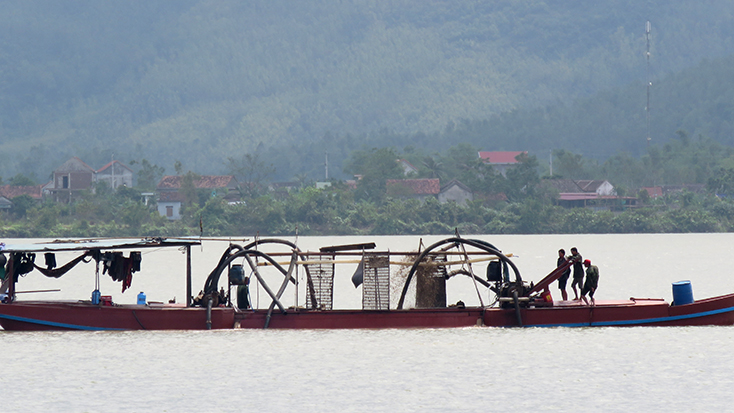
(610, 303)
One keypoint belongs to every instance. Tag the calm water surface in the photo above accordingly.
(471, 369)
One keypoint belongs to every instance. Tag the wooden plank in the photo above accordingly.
(349, 247)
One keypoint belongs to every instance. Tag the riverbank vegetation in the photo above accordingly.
(334, 211)
(522, 202)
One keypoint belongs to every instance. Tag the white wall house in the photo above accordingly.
(115, 174)
(455, 191)
(170, 199)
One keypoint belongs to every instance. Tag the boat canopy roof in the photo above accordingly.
(100, 244)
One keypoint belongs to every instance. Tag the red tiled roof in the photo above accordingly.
(112, 163)
(74, 164)
(205, 181)
(171, 197)
(500, 157)
(654, 191)
(577, 196)
(10, 192)
(415, 186)
(494, 197)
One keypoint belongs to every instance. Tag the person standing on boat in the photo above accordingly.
(243, 295)
(592, 281)
(564, 278)
(4, 279)
(578, 272)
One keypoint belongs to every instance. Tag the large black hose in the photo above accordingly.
(516, 301)
(208, 286)
(213, 280)
(309, 280)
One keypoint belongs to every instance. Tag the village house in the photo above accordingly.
(9, 192)
(663, 190)
(501, 161)
(75, 176)
(170, 198)
(284, 186)
(455, 191)
(70, 179)
(653, 191)
(407, 167)
(583, 186)
(420, 189)
(280, 190)
(594, 194)
(115, 174)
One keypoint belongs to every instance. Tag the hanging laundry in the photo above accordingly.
(50, 260)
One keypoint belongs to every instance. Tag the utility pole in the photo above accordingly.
(112, 166)
(649, 83)
(326, 166)
(551, 163)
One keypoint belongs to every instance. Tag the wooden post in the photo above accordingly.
(188, 276)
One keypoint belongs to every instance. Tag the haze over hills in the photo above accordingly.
(200, 81)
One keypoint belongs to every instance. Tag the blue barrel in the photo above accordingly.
(682, 293)
(141, 298)
(95, 297)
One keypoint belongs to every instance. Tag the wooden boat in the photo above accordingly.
(100, 314)
(516, 303)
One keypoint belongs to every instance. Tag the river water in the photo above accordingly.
(470, 369)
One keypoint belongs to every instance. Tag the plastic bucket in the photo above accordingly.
(682, 293)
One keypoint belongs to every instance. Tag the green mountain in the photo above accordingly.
(201, 81)
(698, 100)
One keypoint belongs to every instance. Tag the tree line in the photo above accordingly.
(527, 204)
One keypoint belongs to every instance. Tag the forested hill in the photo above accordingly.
(199, 81)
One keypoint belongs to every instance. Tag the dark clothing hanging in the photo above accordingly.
(58, 272)
(120, 268)
(50, 260)
(136, 258)
(23, 263)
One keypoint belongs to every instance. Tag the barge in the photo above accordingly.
(420, 277)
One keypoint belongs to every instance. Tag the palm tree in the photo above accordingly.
(434, 168)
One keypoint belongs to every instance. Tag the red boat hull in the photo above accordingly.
(34, 316)
(633, 312)
(343, 319)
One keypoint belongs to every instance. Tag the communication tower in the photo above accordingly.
(649, 82)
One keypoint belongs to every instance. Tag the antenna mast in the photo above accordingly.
(649, 83)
